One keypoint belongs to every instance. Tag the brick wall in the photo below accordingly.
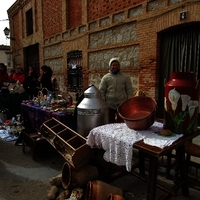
(16, 31)
(74, 13)
(52, 17)
(101, 8)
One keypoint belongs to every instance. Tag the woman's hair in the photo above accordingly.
(47, 69)
(2, 65)
(20, 69)
(44, 68)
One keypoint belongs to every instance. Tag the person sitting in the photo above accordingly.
(19, 75)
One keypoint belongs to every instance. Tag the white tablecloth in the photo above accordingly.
(117, 140)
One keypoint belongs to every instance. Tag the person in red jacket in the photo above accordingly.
(3, 74)
(19, 75)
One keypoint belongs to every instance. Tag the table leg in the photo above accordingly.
(141, 163)
(152, 182)
(169, 163)
(183, 170)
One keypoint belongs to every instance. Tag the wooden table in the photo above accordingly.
(154, 153)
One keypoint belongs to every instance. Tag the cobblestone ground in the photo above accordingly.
(23, 178)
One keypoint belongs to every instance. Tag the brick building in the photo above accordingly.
(6, 56)
(77, 38)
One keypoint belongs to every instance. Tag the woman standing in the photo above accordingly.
(45, 78)
(115, 87)
(31, 83)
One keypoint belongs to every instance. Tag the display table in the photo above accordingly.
(34, 116)
(118, 142)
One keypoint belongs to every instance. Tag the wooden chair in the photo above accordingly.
(193, 167)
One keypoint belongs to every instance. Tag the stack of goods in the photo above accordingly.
(10, 129)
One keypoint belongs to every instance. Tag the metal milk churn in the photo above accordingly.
(181, 103)
(92, 111)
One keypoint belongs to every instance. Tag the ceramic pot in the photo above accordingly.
(98, 190)
(181, 103)
(115, 197)
(72, 178)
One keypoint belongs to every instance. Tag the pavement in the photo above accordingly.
(23, 178)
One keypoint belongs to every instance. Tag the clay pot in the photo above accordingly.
(181, 103)
(98, 190)
(115, 197)
(72, 178)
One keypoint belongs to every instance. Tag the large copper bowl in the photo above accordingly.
(138, 112)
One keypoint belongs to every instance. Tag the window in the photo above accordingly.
(74, 71)
(29, 22)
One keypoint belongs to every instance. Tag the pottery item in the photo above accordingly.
(73, 178)
(99, 190)
(115, 197)
(181, 103)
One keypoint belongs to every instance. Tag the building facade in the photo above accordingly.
(78, 38)
(6, 56)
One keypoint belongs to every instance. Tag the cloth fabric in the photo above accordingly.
(117, 140)
(115, 88)
(4, 134)
(34, 116)
(113, 59)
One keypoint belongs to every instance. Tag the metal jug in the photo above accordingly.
(92, 111)
(3, 114)
(181, 103)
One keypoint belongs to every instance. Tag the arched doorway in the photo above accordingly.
(179, 52)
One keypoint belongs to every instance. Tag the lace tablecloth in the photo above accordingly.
(117, 140)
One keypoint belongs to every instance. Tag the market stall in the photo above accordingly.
(34, 115)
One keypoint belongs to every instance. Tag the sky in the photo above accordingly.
(4, 22)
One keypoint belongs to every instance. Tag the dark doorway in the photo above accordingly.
(31, 57)
(179, 52)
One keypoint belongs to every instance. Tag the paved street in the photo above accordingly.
(22, 178)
